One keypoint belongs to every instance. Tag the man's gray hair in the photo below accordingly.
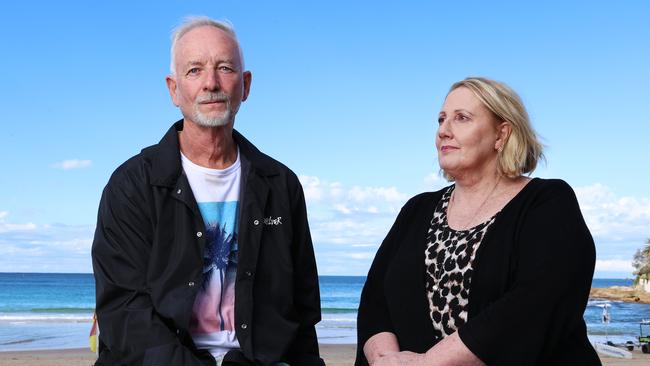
(192, 22)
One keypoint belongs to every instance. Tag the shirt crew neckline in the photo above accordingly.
(187, 163)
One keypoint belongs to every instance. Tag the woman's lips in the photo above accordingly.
(448, 148)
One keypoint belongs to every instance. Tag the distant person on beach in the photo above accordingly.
(202, 253)
(492, 270)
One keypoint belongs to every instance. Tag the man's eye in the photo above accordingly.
(193, 71)
(440, 120)
(225, 69)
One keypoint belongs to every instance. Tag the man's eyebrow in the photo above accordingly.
(218, 62)
(193, 63)
(230, 62)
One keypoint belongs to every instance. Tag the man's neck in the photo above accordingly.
(210, 147)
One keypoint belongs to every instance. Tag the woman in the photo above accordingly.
(493, 270)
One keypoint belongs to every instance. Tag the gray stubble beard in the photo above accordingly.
(217, 121)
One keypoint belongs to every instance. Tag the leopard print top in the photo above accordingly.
(448, 259)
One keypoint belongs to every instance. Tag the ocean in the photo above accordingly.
(54, 311)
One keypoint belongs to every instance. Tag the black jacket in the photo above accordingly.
(148, 259)
(529, 289)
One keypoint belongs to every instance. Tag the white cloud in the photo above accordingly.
(72, 164)
(356, 219)
(614, 218)
(610, 265)
(619, 224)
(347, 200)
(361, 255)
(434, 182)
(8, 227)
(28, 247)
(348, 222)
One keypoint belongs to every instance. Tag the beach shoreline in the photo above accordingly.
(333, 354)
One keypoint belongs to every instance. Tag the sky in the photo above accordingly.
(344, 93)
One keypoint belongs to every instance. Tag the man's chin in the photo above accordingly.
(219, 120)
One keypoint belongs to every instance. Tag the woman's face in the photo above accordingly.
(468, 135)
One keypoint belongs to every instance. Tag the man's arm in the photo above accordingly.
(304, 350)
(130, 327)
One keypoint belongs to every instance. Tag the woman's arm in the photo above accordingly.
(380, 345)
(546, 300)
(374, 316)
(451, 351)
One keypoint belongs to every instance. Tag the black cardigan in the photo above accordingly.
(529, 290)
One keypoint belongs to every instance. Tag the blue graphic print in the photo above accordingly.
(219, 262)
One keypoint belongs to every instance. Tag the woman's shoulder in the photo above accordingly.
(419, 207)
(541, 192)
(424, 200)
(550, 188)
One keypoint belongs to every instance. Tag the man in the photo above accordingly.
(202, 253)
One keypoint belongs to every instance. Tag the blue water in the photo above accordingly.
(52, 311)
(625, 316)
(45, 311)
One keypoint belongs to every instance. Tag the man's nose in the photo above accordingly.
(211, 82)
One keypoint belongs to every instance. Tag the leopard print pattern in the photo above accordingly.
(448, 259)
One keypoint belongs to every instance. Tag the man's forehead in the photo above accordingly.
(205, 33)
(204, 42)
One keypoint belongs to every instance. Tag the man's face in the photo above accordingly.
(209, 83)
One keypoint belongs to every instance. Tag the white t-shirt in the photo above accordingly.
(216, 191)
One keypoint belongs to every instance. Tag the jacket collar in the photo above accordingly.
(166, 165)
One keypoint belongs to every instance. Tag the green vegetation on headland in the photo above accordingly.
(641, 263)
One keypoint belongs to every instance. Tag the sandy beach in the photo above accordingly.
(334, 355)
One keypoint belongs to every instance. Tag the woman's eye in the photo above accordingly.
(440, 120)
(462, 117)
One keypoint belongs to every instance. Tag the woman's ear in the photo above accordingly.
(503, 132)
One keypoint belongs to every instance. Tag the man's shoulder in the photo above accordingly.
(260, 161)
(135, 170)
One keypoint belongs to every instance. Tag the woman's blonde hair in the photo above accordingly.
(522, 149)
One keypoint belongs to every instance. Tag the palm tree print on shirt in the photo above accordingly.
(220, 250)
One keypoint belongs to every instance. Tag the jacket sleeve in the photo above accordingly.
(555, 264)
(304, 350)
(373, 316)
(130, 328)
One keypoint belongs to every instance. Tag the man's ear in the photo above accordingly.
(171, 86)
(248, 78)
